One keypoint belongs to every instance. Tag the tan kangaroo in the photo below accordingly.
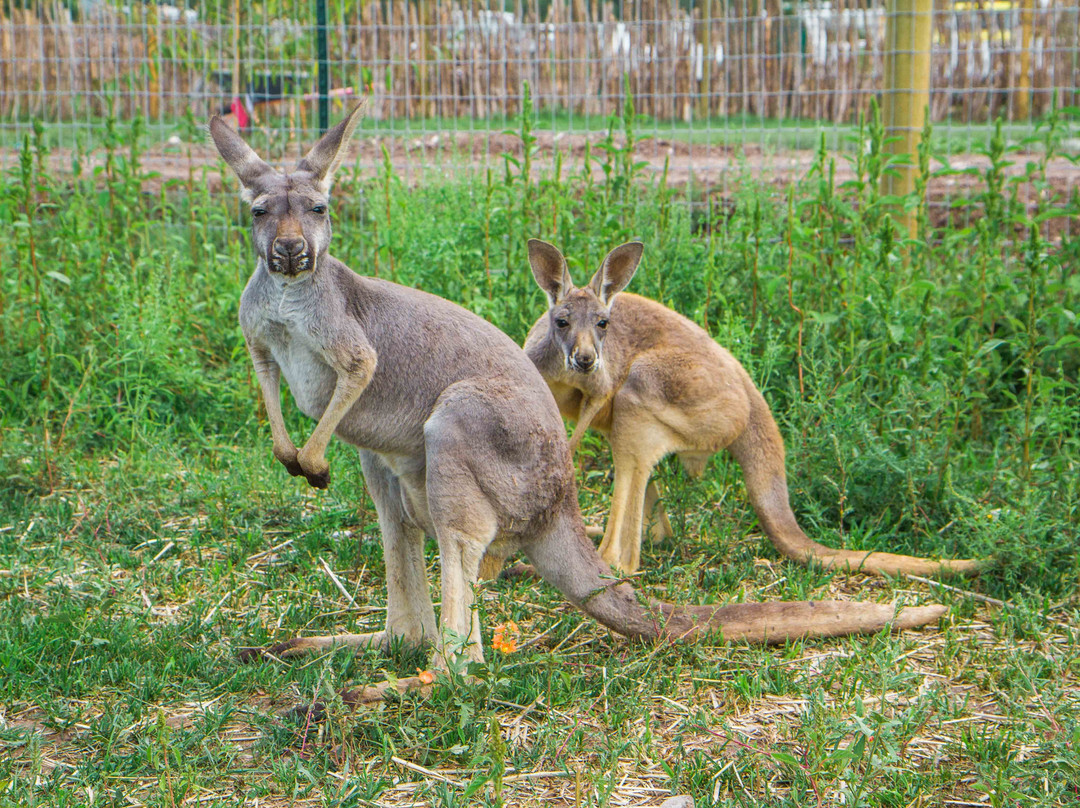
(459, 437)
(655, 383)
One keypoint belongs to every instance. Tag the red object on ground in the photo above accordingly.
(237, 108)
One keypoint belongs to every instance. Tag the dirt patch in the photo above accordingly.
(709, 169)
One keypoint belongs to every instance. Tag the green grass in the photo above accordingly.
(146, 533)
(769, 134)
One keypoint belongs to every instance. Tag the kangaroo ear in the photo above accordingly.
(241, 158)
(549, 269)
(616, 271)
(325, 156)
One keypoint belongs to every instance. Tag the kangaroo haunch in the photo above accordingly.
(656, 383)
(459, 436)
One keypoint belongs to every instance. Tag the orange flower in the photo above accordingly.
(505, 637)
(425, 677)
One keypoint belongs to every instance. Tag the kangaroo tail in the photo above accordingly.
(759, 450)
(567, 559)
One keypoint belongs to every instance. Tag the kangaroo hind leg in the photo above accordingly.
(460, 475)
(656, 518)
(410, 615)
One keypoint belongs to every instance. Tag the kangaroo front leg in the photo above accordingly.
(355, 365)
(269, 375)
(589, 408)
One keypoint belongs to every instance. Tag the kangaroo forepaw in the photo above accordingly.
(314, 467)
(289, 461)
(319, 479)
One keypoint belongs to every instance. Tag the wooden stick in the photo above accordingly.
(337, 582)
(985, 599)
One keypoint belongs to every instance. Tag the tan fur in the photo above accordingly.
(663, 386)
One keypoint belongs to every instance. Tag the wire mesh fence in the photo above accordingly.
(713, 82)
(686, 62)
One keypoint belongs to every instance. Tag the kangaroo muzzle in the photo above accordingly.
(290, 255)
(583, 360)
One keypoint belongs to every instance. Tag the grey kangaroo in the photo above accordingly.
(459, 437)
(655, 383)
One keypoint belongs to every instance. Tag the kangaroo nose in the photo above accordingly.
(289, 247)
(584, 360)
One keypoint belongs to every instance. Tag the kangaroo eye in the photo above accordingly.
(256, 212)
(562, 322)
(320, 209)
(602, 324)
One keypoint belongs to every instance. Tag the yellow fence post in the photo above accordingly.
(150, 20)
(705, 99)
(907, 92)
(1023, 85)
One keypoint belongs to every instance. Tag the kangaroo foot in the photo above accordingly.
(889, 564)
(301, 646)
(318, 711)
(517, 571)
(281, 650)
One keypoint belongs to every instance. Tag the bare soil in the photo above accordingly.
(710, 170)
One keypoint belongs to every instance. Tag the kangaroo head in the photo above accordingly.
(578, 318)
(290, 219)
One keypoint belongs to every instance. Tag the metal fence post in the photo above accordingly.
(906, 92)
(324, 66)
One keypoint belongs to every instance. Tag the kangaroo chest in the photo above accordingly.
(310, 379)
(288, 321)
(297, 325)
(570, 400)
